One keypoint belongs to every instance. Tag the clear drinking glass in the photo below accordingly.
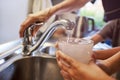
(77, 48)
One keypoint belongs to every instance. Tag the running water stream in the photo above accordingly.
(69, 31)
(69, 35)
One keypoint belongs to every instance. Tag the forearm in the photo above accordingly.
(112, 64)
(104, 54)
(97, 38)
(67, 5)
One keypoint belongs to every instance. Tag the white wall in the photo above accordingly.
(12, 14)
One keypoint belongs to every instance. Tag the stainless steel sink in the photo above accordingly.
(32, 68)
(40, 66)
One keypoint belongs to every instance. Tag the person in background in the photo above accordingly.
(112, 16)
(110, 31)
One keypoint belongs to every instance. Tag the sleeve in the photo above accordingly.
(107, 31)
(93, 1)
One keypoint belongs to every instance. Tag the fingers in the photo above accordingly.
(31, 19)
(65, 58)
(65, 68)
(25, 25)
(35, 29)
(41, 16)
(68, 67)
(61, 62)
(65, 63)
(56, 45)
(65, 75)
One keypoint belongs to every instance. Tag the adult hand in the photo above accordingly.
(74, 70)
(41, 16)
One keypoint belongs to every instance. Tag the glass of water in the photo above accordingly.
(77, 48)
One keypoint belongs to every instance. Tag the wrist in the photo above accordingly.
(50, 12)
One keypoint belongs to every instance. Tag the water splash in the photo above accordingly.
(69, 35)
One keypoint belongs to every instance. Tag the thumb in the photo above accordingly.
(56, 45)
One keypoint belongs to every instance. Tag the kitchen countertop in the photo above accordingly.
(9, 45)
(13, 45)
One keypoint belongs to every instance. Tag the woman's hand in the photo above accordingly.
(74, 70)
(41, 16)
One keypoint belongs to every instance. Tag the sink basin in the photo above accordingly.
(32, 68)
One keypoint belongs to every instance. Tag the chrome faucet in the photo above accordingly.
(29, 47)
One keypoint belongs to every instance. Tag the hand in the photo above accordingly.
(41, 16)
(74, 70)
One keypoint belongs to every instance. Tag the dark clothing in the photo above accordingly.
(112, 9)
(112, 28)
(112, 31)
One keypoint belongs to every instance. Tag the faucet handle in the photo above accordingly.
(70, 26)
(46, 35)
(28, 39)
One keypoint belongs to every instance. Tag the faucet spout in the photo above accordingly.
(48, 33)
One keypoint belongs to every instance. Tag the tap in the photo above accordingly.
(28, 47)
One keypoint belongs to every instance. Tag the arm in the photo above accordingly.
(104, 54)
(97, 38)
(111, 64)
(106, 32)
(68, 5)
(42, 16)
